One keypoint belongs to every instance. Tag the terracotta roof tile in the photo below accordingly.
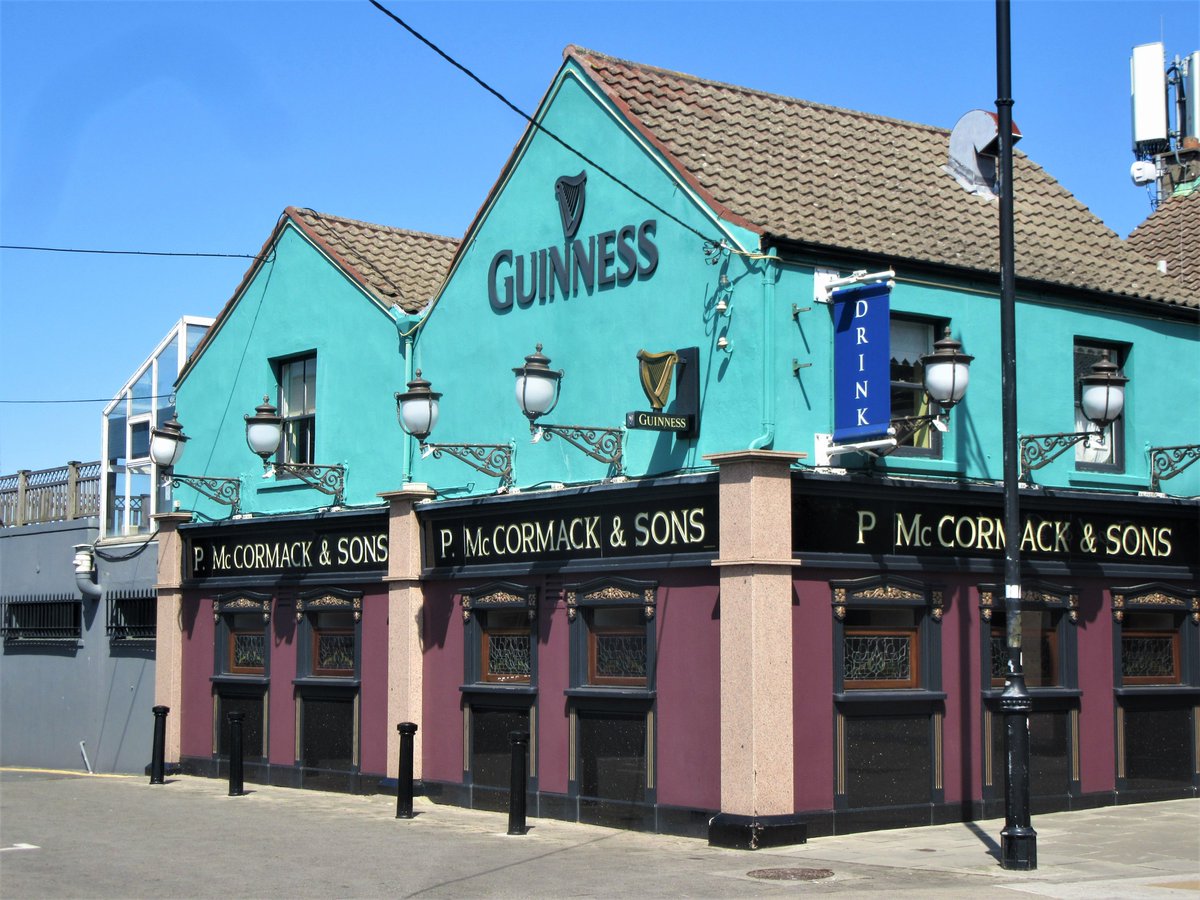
(398, 266)
(834, 177)
(1172, 235)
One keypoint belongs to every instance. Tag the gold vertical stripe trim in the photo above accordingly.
(299, 723)
(988, 774)
(1196, 726)
(1075, 745)
(650, 750)
(937, 750)
(533, 742)
(840, 774)
(466, 738)
(571, 749)
(266, 724)
(216, 725)
(354, 736)
(1120, 742)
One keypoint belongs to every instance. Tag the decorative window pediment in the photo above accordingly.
(890, 591)
(242, 602)
(1156, 597)
(329, 600)
(500, 595)
(1034, 595)
(612, 592)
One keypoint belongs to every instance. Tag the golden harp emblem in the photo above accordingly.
(656, 369)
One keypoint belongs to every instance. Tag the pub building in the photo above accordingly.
(755, 595)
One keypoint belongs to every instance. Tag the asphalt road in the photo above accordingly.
(67, 835)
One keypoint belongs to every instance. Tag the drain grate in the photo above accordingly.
(791, 874)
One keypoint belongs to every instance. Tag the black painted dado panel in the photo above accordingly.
(252, 723)
(491, 750)
(1049, 753)
(1158, 745)
(327, 739)
(612, 756)
(888, 761)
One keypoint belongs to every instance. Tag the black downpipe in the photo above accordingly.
(1018, 840)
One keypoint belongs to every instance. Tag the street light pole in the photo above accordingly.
(1018, 848)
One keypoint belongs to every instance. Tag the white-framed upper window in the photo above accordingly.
(298, 407)
(1106, 451)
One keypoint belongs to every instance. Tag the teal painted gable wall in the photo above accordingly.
(750, 395)
(297, 302)
(467, 349)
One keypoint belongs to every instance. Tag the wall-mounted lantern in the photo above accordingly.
(1101, 398)
(264, 432)
(417, 413)
(166, 447)
(537, 389)
(946, 372)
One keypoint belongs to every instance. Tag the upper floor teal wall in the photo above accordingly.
(297, 303)
(656, 291)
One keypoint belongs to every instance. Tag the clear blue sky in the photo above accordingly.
(190, 126)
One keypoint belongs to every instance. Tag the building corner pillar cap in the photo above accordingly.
(767, 456)
(171, 519)
(413, 490)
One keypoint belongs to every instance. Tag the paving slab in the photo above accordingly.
(86, 836)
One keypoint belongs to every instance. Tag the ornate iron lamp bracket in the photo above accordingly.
(1167, 462)
(602, 444)
(1038, 450)
(495, 460)
(326, 479)
(227, 491)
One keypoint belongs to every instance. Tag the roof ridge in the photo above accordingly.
(578, 52)
(373, 225)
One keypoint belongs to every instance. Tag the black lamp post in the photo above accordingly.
(417, 412)
(1018, 840)
(537, 391)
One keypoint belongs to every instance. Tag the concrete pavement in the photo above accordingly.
(114, 836)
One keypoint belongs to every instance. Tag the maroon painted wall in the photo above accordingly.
(1097, 717)
(196, 717)
(812, 691)
(554, 735)
(961, 673)
(374, 680)
(688, 634)
(441, 733)
(281, 696)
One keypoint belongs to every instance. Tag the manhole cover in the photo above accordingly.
(791, 874)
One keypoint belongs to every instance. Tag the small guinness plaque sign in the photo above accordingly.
(660, 421)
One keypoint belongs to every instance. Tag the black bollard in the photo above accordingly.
(404, 776)
(159, 751)
(516, 785)
(235, 753)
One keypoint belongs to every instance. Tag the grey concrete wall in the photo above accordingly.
(52, 696)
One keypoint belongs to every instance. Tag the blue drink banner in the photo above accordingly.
(862, 395)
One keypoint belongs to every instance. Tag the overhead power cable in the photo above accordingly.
(129, 252)
(91, 399)
(528, 118)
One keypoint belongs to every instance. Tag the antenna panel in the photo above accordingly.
(1191, 82)
(1148, 90)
